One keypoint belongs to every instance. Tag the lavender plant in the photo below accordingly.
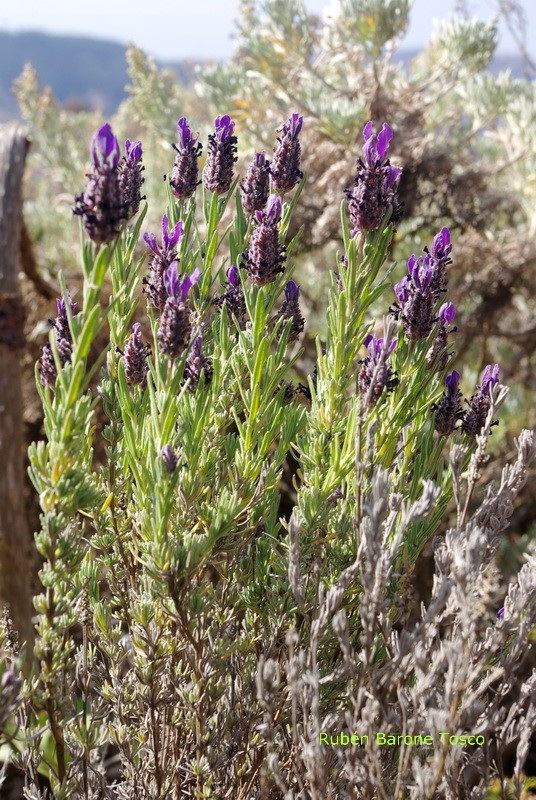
(192, 639)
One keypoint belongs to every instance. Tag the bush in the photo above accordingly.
(193, 638)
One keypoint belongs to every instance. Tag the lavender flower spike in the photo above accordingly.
(104, 146)
(376, 374)
(135, 358)
(163, 257)
(175, 328)
(375, 185)
(437, 354)
(130, 177)
(218, 171)
(265, 256)
(441, 247)
(448, 411)
(255, 187)
(285, 168)
(184, 176)
(102, 205)
(197, 364)
(169, 457)
(479, 404)
(291, 310)
(233, 297)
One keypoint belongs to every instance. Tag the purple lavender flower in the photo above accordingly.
(197, 364)
(479, 404)
(285, 166)
(419, 291)
(61, 323)
(101, 205)
(175, 328)
(218, 171)
(184, 176)
(163, 257)
(169, 457)
(441, 247)
(130, 177)
(438, 354)
(500, 613)
(47, 367)
(290, 310)
(233, 297)
(448, 411)
(135, 358)
(64, 343)
(376, 374)
(375, 185)
(265, 257)
(255, 187)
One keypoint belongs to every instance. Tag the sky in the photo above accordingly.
(175, 29)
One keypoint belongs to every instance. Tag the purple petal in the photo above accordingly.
(401, 290)
(224, 126)
(370, 152)
(133, 151)
(500, 613)
(187, 282)
(232, 276)
(150, 241)
(441, 246)
(411, 264)
(272, 215)
(384, 137)
(393, 176)
(136, 330)
(260, 159)
(171, 280)
(294, 125)
(184, 134)
(447, 312)
(490, 377)
(175, 237)
(292, 292)
(105, 145)
(367, 130)
(452, 382)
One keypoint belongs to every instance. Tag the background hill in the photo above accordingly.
(91, 73)
(82, 72)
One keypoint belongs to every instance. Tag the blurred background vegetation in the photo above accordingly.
(464, 134)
